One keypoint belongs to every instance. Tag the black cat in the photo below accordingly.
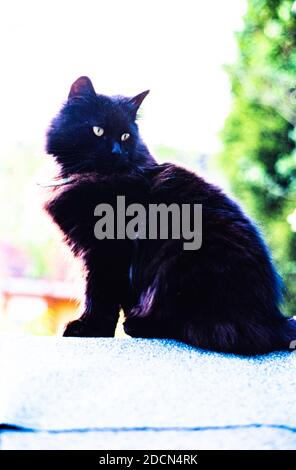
(224, 296)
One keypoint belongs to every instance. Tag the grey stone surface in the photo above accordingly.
(133, 393)
(223, 439)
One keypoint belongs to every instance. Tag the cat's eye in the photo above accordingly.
(98, 131)
(125, 136)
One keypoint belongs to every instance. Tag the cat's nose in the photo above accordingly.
(116, 149)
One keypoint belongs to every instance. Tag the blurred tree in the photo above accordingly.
(259, 136)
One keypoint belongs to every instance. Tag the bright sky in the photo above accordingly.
(174, 48)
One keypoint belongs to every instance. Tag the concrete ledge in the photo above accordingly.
(70, 393)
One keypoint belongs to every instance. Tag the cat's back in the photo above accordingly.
(224, 223)
(171, 183)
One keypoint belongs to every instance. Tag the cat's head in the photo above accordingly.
(94, 132)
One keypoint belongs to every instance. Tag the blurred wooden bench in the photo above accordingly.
(60, 297)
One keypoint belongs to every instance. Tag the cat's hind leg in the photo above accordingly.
(145, 320)
(246, 338)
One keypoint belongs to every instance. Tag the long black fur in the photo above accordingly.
(225, 296)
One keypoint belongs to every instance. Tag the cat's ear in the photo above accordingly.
(136, 101)
(81, 87)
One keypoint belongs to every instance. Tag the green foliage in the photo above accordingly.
(259, 136)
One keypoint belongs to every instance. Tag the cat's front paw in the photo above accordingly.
(78, 328)
(89, 329)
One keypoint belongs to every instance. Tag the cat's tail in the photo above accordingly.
(246, 339)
